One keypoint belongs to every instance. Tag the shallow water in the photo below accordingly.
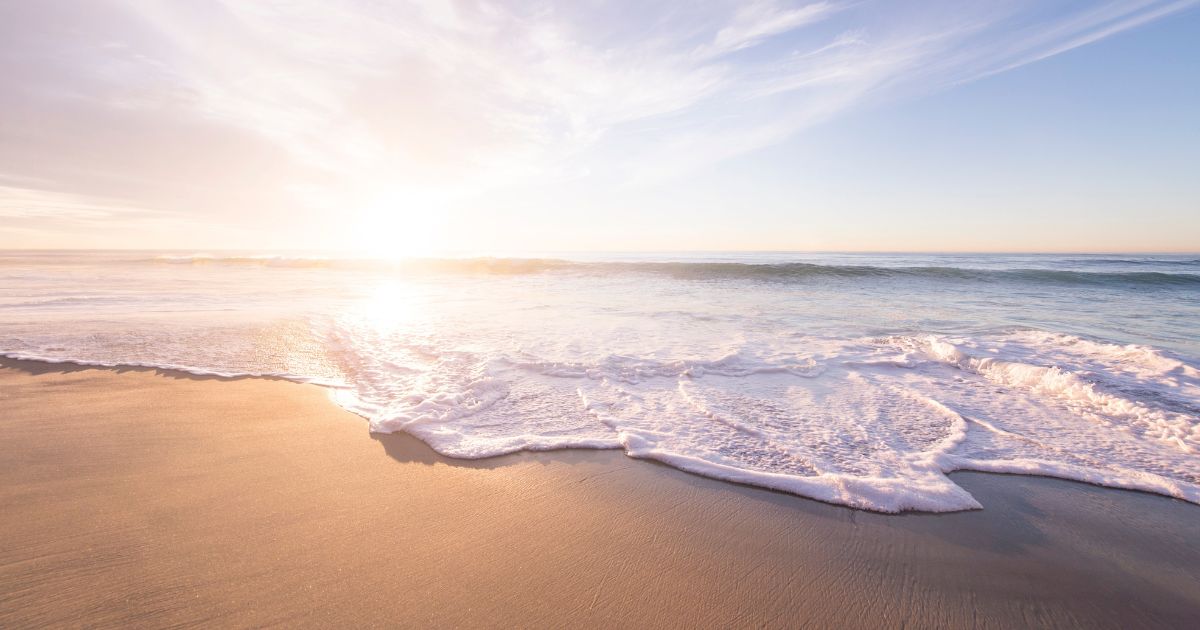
(851, 378)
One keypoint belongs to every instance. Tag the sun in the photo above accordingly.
(400, 224)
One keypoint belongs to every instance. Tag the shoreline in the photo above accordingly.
(144, 496)
(37, 366)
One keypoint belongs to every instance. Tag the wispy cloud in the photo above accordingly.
(457, 98)
(42, 216)
(18, 203)
(755, 22)
(1105, 20)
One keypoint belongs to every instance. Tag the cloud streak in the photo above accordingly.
(345, 100)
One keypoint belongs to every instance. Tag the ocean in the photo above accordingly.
(856, 379)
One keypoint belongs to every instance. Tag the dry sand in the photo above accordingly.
(154, 498)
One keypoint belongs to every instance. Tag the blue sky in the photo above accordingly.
(1093, 149)
(473, 126)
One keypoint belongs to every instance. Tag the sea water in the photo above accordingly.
(858, 379)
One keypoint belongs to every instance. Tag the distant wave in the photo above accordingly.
(801, 271)
(1119, 272)
(442, 265)
(1135, 261)
(767, 272)
(70, 301)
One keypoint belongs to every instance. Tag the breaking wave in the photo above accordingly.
(697, 270)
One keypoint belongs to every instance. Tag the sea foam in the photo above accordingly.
(871, 423)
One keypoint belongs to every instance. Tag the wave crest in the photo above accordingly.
(700, 271)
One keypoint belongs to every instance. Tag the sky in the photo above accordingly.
(392, 128)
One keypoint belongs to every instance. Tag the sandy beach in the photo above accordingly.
(138, 497)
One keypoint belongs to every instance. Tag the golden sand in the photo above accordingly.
(154, 498)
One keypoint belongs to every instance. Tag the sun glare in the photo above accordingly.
(400, 224)
(392, 306)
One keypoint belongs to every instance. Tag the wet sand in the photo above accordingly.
(137, 497)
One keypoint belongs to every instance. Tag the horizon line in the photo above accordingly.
(513, 254)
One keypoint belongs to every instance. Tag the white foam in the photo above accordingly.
(874, 424)
(1082, 396)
